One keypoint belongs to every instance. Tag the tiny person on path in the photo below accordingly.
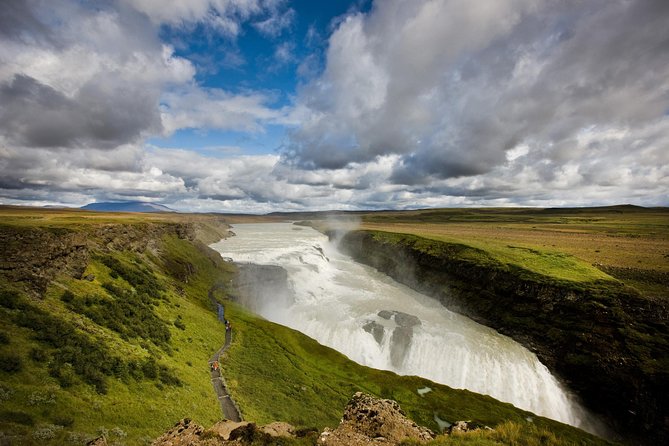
(215, 365)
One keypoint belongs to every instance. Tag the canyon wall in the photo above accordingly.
(603, 339)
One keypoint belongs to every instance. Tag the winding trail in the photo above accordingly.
(228, 406)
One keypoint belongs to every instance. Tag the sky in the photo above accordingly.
(276, 105)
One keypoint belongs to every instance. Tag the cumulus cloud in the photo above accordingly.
(249, 181)
(86, 76)
(263, 184)
(43, 174)
(452, 87)
(102, 114)
(195, 107)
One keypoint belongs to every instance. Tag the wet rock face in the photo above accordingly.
(401, 319)
(368, 419)
(400, 340)
(375, 329)
(400, 343)
(321, 253)
(260, 285)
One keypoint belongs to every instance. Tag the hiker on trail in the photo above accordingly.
(215, 365)
(228, 326)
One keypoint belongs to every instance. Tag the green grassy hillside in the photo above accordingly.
(120, 348)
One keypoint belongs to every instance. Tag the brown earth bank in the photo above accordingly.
(34, 255)
(607, 342)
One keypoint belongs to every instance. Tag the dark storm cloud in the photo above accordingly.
(421, 169)
(9, 183)
(80, 75)
(102, 114)
(17, 21)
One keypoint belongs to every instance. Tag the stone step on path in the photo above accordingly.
(228, 406)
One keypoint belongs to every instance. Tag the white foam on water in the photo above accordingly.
(335, 297)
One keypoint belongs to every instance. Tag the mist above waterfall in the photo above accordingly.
(303, 282)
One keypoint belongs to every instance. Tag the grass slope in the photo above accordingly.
(538, 263)
(87, 363)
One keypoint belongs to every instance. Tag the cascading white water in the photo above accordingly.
(383, 324)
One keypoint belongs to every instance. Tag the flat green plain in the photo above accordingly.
(625, 243)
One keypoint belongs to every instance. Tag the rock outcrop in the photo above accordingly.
(35, 255)
(371, 420)
(187, 433)
(367, 420)
(183, 433)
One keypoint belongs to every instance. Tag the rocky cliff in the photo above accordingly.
(605, 341)
(34, 255)
(254, 282)
(370, 419)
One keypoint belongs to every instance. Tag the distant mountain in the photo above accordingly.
(127, 206)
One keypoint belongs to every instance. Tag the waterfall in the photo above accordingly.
(380, 323)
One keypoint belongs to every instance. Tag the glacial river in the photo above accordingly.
(380, 323)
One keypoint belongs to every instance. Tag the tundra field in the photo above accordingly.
(628, 243)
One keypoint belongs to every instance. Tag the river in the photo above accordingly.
(380, 323)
